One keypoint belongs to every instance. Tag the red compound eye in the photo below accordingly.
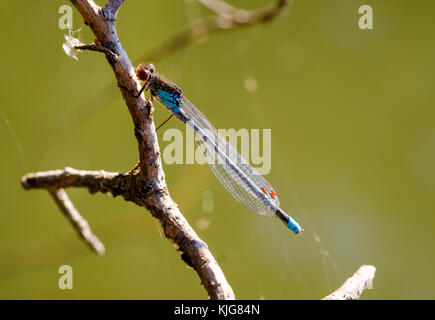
(142, 74)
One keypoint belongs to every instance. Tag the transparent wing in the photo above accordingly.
(231, 169)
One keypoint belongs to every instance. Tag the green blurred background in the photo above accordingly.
(353, 151)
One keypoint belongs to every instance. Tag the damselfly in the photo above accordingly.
(232, 170)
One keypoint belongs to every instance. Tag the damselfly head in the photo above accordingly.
(143, 72)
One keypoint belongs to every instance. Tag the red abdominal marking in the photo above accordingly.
(272, 193)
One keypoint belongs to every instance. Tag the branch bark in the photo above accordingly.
(353, 287)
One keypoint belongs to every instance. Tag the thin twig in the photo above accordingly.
(228, 18)
(112, 57)
(79, 223)
(353, 287)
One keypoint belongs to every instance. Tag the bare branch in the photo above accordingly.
(78, 222)
(355, 285)
(133, 187)
(145, 184)
(228, 18)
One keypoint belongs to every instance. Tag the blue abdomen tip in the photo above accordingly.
(294, 226)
